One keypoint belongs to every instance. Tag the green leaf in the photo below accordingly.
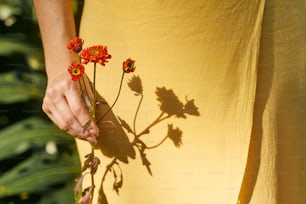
(29, 133)
(13, 90)
(12, 44)
(58, 196)
(37, 174)
(18, 43)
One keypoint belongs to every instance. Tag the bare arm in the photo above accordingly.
(57, 28)
(62, 101)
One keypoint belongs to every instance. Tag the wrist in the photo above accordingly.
(57, 67)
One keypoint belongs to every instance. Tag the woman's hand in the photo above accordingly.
(62, 101)
(64, 106)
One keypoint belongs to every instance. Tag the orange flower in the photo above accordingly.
(96, 54)
(76, 70)
(75, 45)
(128, 65)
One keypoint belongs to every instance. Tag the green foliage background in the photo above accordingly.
(38, 162)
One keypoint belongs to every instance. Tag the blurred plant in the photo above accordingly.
(37, 161)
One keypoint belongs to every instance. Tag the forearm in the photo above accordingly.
(57, 27)
(62, 102)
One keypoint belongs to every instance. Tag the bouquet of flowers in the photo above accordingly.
(97, 54)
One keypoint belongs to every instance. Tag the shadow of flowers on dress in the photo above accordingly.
(114, 142)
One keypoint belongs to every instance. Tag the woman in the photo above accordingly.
(242, 64)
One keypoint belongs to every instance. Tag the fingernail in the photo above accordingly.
(93, 131)
(92, 140)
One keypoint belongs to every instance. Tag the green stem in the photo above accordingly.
(117, 97)
(94, 95)
(85, 88)
(94, 119)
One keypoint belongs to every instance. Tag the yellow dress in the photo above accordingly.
(229, 78)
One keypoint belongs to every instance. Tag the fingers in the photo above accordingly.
(64, 106)
(79, 110)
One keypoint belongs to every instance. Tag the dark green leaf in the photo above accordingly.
(13, 90)
(29, 133)
(59, 195)
(38, 173)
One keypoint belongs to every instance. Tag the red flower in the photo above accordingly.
(76, 70)
(96, 54)
(128, 65)
(75, 45)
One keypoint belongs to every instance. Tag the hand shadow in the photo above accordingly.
(112, 141)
